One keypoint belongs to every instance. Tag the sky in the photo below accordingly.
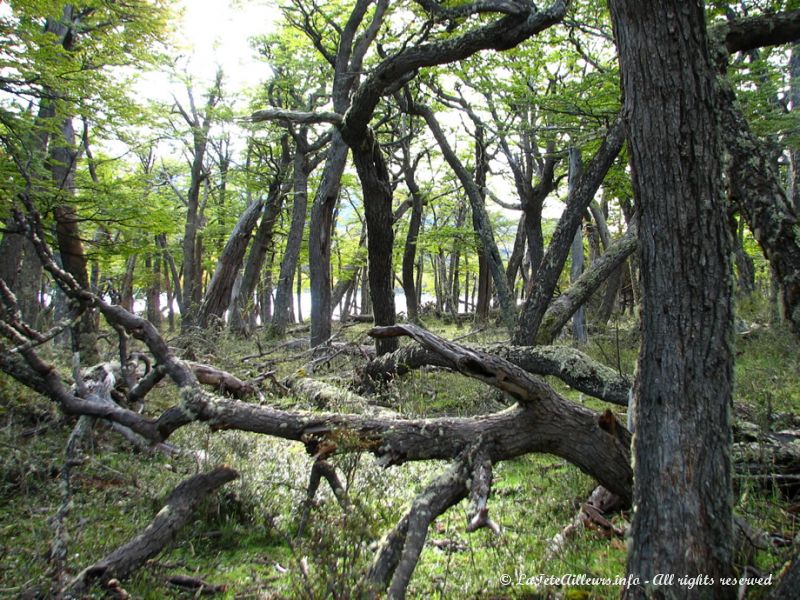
(217, 32)
(211, 34)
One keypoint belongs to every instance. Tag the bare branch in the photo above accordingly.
(294, 116)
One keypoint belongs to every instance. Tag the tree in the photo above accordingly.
(683, 507)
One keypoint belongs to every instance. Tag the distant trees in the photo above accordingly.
(447, 112)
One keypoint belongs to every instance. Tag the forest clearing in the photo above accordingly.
(423, 299)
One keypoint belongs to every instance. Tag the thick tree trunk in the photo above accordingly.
(218, 296)
(683, 517)
(63, 158)
(294, 242)
(544, 283)
(756, 189)
(21, 270)
(572, 366)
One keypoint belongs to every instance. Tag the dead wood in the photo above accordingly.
(321, 470)
(541, 421)
(400, 549)
(770, 458)
(222, 381)
(196, 585)
(162, 530)
(572, 366)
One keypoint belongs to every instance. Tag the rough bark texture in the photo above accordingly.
(243, 312)
(683, 509)
(63, 161)
(319, 239)
(756, 189)
(177, 511)
(377, 189)
(21, 270)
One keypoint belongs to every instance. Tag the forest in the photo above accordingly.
(425, 299)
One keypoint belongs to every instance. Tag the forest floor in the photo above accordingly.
(245, 537)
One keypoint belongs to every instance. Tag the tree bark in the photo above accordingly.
(572, 366)
(178, 509)
(756, 189)
(683, 518)
(544, 284)
(63, 156)
(579, 334)
(218, 296)
(319, 239)
(410, 248)
(200, 124)
(377, 190)
(243, 312)
(563, 307)
(294, 241)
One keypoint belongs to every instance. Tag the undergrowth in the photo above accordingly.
(246, 536)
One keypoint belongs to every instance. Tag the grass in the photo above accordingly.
(245, 536)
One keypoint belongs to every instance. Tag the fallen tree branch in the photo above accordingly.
(400, 549)
(176, 512)
(572, 366)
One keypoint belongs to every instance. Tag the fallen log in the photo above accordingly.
(572, 366)
(770, 458)
(162, 530)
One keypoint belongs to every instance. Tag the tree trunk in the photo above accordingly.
(517, 254)
(126, 287)
(544, 283)
(242, 319)
(756, 189)
(162, 530)
(319, 239)
(563, 307)
(377, 190)
(480, 219)
(793, 188)
(683, 517)
(294, 242)
(576, 268)
(410, 248)
(218, 296)
(63, 159)
(21, 269)
(152, 263)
